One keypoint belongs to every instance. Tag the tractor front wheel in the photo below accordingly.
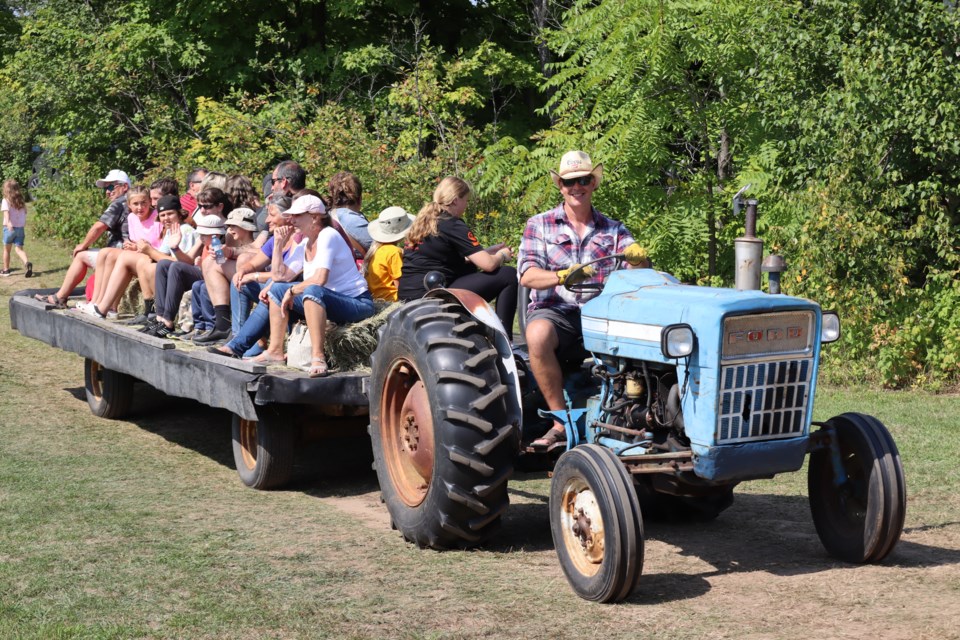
(859, 516)
(596, 524)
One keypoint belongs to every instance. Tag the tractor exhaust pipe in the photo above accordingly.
(748, 250)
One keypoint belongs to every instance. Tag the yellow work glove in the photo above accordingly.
(635, 254)
(585, 273)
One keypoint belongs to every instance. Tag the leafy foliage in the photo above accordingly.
(842, 115)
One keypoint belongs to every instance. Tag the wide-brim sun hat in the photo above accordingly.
(244, 218)
(209, 224)
(391, 225)
(306, 204)
(113, 176)
(576, 164)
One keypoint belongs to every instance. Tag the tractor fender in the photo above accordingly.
(482, 312)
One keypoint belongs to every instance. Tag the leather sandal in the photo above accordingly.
(52, 300)
(549, 441)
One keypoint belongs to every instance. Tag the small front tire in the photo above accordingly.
(109, 392)
(596, 524)
(861, 518)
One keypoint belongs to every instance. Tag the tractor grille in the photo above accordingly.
(763, 400)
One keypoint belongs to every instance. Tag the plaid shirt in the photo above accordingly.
(549, 242)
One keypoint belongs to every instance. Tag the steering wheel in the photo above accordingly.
(575, 279)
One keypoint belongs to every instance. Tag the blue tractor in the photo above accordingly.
(687, 392)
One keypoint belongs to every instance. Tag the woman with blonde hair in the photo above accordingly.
(439, 240)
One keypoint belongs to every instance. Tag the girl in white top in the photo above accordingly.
(332, 288)
(14, 219)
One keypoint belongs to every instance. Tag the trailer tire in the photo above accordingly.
(443, 448)
(263, 450)
(109, 392)
(860, 521)
(596, 524)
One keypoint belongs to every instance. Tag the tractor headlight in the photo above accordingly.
(677, 340)
(830, 327)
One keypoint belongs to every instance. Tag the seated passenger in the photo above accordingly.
(176, 278)
(346, 198)
(332, 288)
(142, 224)
(383, 264)
(131, 263)
(113, 221)
(440, 241)
(215, 286)
(179, 238)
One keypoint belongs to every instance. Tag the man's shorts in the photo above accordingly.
(14, 237)
(569, 333)
(89, 257)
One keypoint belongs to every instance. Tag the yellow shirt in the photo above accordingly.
(383, 272)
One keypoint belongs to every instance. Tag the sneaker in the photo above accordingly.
(149, 327)
(138, 319)
(4, 272)
(29, 270)
(112, 315)
(213, 336)
(162, 331)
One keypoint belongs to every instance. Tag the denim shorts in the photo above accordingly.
(13, 237)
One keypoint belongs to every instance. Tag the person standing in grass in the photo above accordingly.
(14, 220)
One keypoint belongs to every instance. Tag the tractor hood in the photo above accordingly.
(627, 318)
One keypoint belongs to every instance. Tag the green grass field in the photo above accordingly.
(140, 528)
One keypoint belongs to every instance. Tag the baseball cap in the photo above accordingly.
(306, 204)
(114, 175)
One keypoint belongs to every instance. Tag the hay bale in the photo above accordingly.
(348, 348)
(131, 303)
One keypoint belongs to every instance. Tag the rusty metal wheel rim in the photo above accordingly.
(581, 523)
(248, 442)
(406, 432)
(96, 379)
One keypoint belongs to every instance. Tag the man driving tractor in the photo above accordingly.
(556, 244)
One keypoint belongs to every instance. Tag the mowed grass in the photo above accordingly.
(140, 528)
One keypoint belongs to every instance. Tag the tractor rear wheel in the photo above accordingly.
(443, 449)
(109, 392)
(263, 449)
(596, 524)
(860, 517)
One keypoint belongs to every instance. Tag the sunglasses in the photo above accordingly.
(110, 187)
(276, 180)
(582, 181)
(208, 205)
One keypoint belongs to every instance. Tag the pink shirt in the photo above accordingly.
(150, 229)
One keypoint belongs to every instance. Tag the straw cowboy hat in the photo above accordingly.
(576, 164)
(391, 225)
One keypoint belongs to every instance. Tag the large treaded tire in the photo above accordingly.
(596, 524)
(109, 392)
(263, 450)
(442, 444)
(862, 519)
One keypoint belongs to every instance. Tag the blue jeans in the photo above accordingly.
(340, 308)
(201, 307)
(241, 301)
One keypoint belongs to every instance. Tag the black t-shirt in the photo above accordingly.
(445, 252)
